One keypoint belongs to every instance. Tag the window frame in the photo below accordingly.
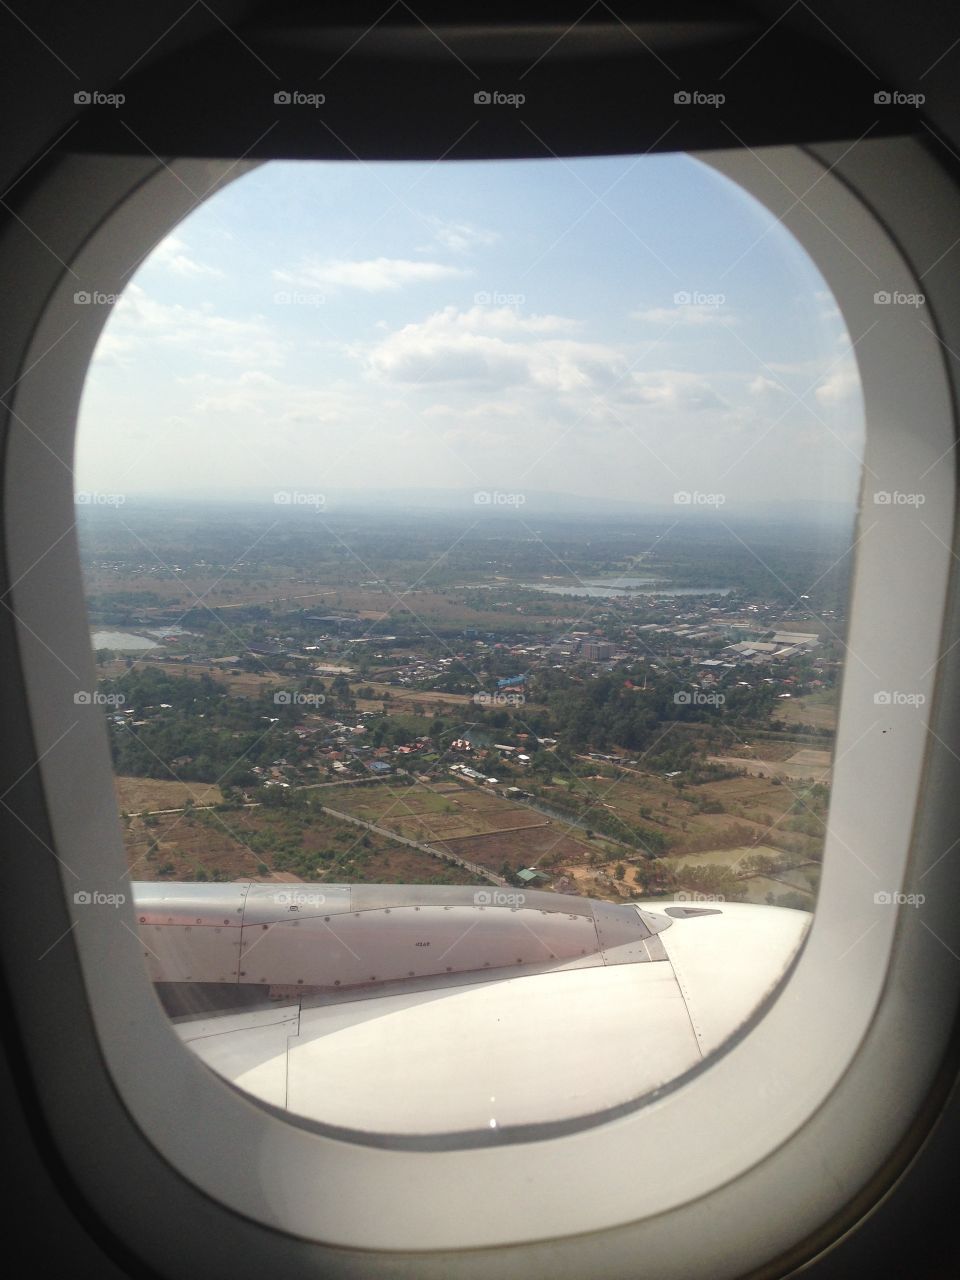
(809, 1088)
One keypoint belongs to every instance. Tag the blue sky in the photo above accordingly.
(519, 325)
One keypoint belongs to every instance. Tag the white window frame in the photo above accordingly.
(778, 1134)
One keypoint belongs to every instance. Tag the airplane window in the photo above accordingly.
(467, 550)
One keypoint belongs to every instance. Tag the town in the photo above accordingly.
(656, 719)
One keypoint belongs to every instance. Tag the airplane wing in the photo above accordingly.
(422, 1009)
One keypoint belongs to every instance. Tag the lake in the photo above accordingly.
(623, 587)
(127, 640)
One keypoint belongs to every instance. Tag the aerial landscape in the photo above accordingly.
(474, 525)
(614, 707)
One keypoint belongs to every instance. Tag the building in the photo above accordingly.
(596, 650)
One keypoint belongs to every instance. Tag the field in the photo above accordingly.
(715, 824)
(263, 843)
(242, 684)
(472, 823)
(545, 846)
(818, 709)
(443, 608)
(136, 795)
(805, 763)
(418, 701)
(652, 802)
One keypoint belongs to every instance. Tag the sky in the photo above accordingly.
(615, 328)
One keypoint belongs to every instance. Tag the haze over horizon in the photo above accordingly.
(454, 502)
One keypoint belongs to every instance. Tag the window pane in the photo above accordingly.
(467, 551)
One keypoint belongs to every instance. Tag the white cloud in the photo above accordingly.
(142, 324)
(840, 384)
(483, 319)
(765, 388)
(674, 389)
(494, 347)
(372, 275)
(483, 410)
(690, 314)
(462, 237)
(170, 255)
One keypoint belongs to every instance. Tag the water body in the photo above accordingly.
(606, 590)
(172, 630)
(122, 640)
